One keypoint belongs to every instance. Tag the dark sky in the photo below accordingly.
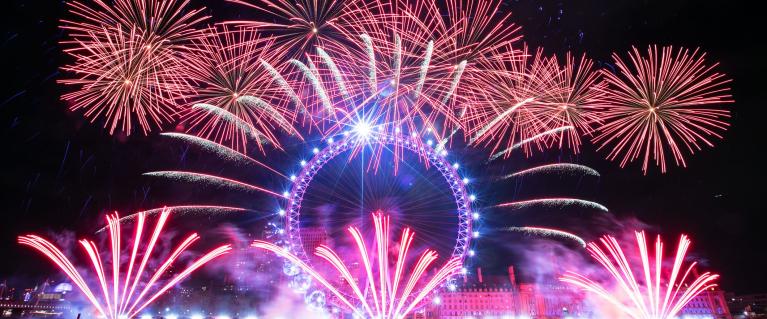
(61, 173)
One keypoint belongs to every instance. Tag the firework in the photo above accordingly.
(223, 152)
(181, 210)
(574, 101)
(213, 180)
(297, 26)
(535, 139)
(127, 292)
(554, 202)
(391, 92)
(648, 293)
(165, 23)
(664, 101)
(224, 69)
(125, 70)
(515, 97)
(122, 80)
(387, 295)
(477, 29)
(548, 232)
(561, 168)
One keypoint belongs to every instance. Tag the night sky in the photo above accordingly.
(61, 173)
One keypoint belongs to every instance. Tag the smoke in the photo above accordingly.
(245, 267)
(289, 304)
(544, 261)
(258, 277)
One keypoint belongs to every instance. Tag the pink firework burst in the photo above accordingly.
(648, 290)
(477, 29)
(123, 80)
(667, 100)
(165, 22)
(297, 26)
(573, 101)
(513, 109)
(125, 69)
(230, 69)
(385, 292)
(127, 291)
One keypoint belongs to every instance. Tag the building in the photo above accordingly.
(502, 297)
(748, 306)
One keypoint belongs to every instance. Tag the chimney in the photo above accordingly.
(512, 277)
(479, 274)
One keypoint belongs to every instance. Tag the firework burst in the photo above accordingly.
(390, 92)
(665, 101)
(388, 294)
(516, 94)
(123, 80)
(127, 292)
(297, 26)
(162, 22)
(125, 69)
(574, 100)
(225, 68)
(652, 292)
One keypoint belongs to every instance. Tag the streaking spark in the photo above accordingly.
(181, 210)
(648, 290)
(554, 202)
(125, 292)
(557, 168)
(389, 292)
(212, 180)
(548, 232)
(223, 68)
(666, 100)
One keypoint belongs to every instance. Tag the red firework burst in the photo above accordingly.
(574, 101)
(513, 108)
(668, 100)
(297, 26)
(125, 68)
(477, 29)
(122, 79)
(128, 291)
(229, 69)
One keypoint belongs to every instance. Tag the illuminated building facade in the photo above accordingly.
(503, 297)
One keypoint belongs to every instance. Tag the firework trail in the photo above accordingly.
(180, 211)
(206, 179)
(125, 69)
(547, 232)
(221, 151)
(127, 292)
(664, 101)
(560, 168)
(554, 202)
(223, 68)
(648, 293)
(536, 138)
(387, 294)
